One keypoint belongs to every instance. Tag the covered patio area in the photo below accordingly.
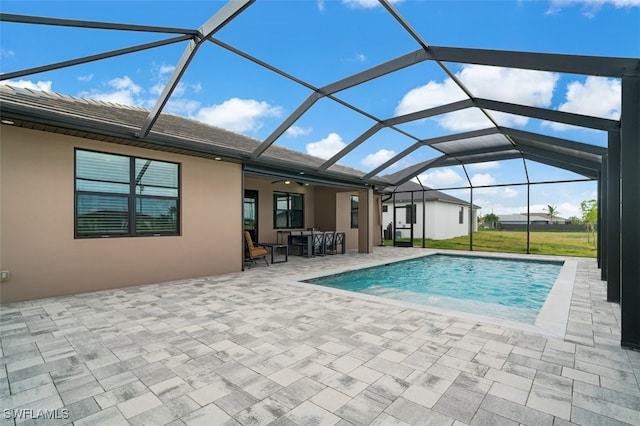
(257, 347)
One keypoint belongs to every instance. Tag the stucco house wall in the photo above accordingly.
(442, 219)
(265, 188)
(37, 244)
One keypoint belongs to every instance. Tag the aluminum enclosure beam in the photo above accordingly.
(229, 11)
(431, 142)
(393, 160)
(568, 64)
(582, 167)
(404, 175)
(430, 112)
(351, 146)
(92, 58)
(612, 219)
(292, 118)
(388, 67)
(38, 20)
(455, 106)
(602, 225)
(630, 226)
(549, 115)
(458, 160)
(351, 81)
(567, 144)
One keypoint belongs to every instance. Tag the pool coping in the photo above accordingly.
(551, 321)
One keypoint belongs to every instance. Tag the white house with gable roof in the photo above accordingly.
(444, 216)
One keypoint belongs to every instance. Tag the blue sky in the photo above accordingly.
(326, 40)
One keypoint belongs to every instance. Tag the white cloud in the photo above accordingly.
(182, 106)
(238, 115)
(482, 179)
(360, 57)
(4, 53)
(327, 147)
(377, 158)
(321, 5)
(509, 193)
(44, 86)
(178, 102)
(568, 210)
(441, 177)
(590, 7)
(534, 88)
(295, 131)
(484, 166)
(166, 69)
(492, 194)
(87, 77)
(123, 91)
(365, 4)
(125, 84)
(179, 90)
(430, 95)
(598, 96)
(616, 3)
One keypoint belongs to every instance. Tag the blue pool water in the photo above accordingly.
(502, 288)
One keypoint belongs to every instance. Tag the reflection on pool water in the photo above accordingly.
(502, 288)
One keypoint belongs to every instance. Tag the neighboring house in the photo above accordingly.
(445, 216)
(88, 205)
(534, 218)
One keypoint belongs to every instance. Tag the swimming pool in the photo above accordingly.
(510, 289)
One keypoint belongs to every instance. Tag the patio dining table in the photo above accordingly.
(302, 239)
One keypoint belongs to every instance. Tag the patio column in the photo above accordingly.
(630, 226)
(613, 221)
(366, 222)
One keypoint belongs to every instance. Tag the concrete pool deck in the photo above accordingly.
(257, 347)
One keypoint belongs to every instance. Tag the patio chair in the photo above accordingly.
(329, 237)
(254, 251)
(339, 240)
(318, 244)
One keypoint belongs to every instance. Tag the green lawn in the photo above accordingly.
(554, 243)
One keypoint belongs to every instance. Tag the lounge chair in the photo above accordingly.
(254, 251)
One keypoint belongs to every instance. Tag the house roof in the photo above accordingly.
(403, 194)
(116, 123)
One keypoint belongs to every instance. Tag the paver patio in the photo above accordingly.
(255, 348)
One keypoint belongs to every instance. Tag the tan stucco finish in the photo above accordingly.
(37, 243)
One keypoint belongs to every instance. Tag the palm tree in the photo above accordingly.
(552, 211)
